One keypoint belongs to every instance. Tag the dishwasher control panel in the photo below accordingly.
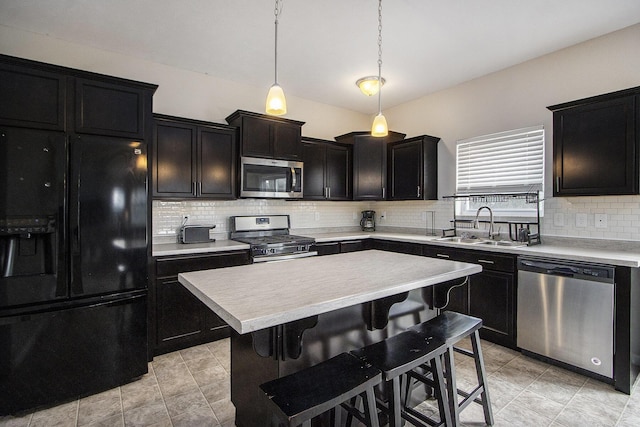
(596, 272)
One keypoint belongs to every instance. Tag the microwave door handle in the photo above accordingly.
(293, 179)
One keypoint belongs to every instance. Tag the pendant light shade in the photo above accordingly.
(276, 104)
(379, 127)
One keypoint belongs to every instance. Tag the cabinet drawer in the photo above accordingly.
(173, 266)
(328, 248)
(488, 260)
(352, 246)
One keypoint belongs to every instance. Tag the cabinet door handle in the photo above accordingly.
(193, 188)
(418, 191)
(199, 188)
(383, 191)
(329, 189)
(486, 261)
(557, 184)
(442, 255)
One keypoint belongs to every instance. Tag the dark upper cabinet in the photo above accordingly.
(413, 169)
(31, 97)
(192, 159)
(268, 136)
(596, 145)
(327, 170)
(43, 96)
(103, 108)
(369, 163)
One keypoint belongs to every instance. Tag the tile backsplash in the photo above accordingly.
(602, 217)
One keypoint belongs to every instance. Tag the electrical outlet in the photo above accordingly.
(355, 216)
(558, 219)
(317, 216)
(601, 220)
(384, 215)
(581, 220)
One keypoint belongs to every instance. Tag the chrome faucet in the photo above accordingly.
(476, 225)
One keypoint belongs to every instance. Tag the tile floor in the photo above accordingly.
(191, 388)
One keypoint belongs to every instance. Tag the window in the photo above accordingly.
(505, 162)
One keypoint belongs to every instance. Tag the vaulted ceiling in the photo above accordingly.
(326, 45)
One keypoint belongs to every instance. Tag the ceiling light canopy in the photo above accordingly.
(379, 127)
(276, 104)
(369, 85)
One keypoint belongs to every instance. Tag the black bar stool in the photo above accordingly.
(399, 354)
(451, 327)
(297, 398)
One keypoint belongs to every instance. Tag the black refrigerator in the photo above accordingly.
(73, 259)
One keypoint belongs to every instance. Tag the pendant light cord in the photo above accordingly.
(276, 12)
(379, 56)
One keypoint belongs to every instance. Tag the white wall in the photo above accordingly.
(517, 97)
(512, 98)
(180, 92)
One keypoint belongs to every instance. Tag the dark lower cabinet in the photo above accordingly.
(489, 295)
(401, 247)
(492, 298)
(179, 319)
(330, 248)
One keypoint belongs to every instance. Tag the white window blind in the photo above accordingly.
(505, 162)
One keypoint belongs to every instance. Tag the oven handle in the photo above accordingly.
(294, 181)
(270, 258)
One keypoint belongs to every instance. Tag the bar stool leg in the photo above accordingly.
(480, 371)
(452, 388)
(370, 410)
(395, 418)
(440, 391)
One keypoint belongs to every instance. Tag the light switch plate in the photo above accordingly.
(581, 220)
(601, 220)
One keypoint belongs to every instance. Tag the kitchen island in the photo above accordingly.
(293, 314)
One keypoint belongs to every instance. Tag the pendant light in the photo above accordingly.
(379, 127)
(369, 85)
(276, 104)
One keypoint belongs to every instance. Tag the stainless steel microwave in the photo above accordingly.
(270, 178)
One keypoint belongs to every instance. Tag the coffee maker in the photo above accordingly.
(368, 221)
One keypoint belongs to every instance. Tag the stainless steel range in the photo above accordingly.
(269, 238)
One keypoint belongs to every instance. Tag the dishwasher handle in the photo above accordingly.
(563, 271)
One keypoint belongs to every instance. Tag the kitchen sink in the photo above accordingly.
(483, 242)
(506, 243)
(457, 239)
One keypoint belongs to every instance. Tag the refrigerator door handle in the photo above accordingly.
(76, 183)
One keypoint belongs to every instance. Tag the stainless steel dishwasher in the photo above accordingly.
(565, 312)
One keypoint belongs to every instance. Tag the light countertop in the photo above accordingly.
(624, 254)
(167, 249)
(258, 296)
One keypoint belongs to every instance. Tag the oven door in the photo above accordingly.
(269, 178)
